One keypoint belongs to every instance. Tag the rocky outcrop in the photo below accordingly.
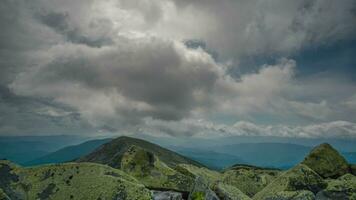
(298, 178)
(166, 195)
(228, 192)
(3, 196)
(152, 172)
(249, 179)
(341, 188)
(353, 169)
(201, 191)
(326, 161)
(293, 195)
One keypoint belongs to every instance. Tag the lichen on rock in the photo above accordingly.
(342, 188)
(228, 192)
(326, 161)
(249, 179)
(298, 178)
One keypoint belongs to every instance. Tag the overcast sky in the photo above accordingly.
(202, 68)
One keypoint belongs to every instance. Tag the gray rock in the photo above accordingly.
(166, 195)
(201, 191)
(343, 188)
(292, 195)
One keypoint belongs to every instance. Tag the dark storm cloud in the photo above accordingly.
(123, 65)
(19, 35)
(160, 74)
(60, 23)
(27, 115)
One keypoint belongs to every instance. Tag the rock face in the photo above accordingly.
(353, 169)
(208, 175)
(293, 195)
(298, 178)
(341, 188)
(201, 191)
(228, 192)
(152, 172)
(70, 181)
(326, 161)
(249, 179)
(166, 195)
(3, 196)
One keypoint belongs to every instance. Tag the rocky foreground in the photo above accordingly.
(131, 169)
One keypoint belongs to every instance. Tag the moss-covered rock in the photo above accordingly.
(201, 191)
(249, 179)
(326, 161)
(298, 178)
(152, 172)
(293, 195)
(75, 181)
(353, 169)
(3, 196)
(341, 188)
(111, 153)
(228, 192)
(208, 175)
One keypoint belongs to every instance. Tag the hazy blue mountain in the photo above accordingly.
(280, 155)
(350, 157)
(68, 153)
(22, 149)
(211, 159)
(344, 145)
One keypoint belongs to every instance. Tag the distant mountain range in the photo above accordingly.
(68, 153)
(22, 149)
(127, 168)
(31, 151)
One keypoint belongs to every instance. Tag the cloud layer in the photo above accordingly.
(127, 66)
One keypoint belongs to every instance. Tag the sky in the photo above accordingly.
(178, 68)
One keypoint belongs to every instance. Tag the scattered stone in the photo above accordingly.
(298, 178)
(343, 188)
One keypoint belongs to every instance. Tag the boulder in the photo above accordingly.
(164, 195)
(300, 177)
(293, 195)
(3, 196)
(326, 161)
(353, 169)
(341, 188)
(152, 172)
(208, 175)
(202, 191)
(228, 192)
(249, 179)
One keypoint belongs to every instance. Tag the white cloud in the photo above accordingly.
(202, 128)
(119, 63)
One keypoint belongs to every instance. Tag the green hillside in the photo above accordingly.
(111, 153)
(69, 181)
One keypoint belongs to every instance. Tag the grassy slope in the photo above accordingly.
(74, 181)
(112, 152)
